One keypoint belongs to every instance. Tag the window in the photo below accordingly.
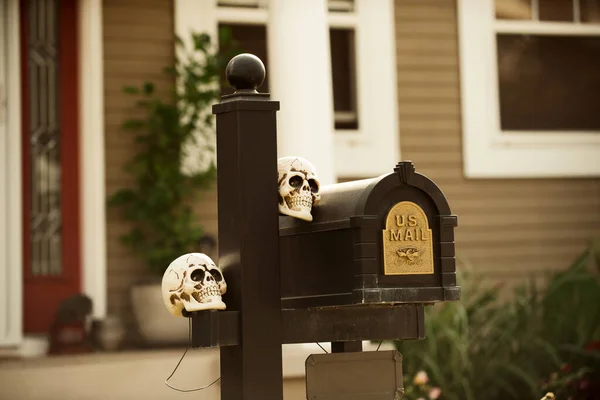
(247, 38)
(253, 39)
(343, 74)
(530, 87)
(362, 45)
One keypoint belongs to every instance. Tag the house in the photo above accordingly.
(493, 99)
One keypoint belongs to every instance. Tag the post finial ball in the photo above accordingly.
(245, 72)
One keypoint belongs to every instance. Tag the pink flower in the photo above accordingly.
(593, 345)
(421, 378)
(434, 393)
(566, 368)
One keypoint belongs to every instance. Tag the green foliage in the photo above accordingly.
(157, 205)
(483, 347)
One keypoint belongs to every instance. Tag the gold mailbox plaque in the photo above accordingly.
(407, 241)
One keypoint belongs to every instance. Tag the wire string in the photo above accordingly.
(322, 348)
(180, 360)
(219, 378)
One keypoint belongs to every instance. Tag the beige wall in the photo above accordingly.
(507, 228)
(138, 44)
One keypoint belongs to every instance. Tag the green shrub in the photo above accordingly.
(157, 205)
(485, 348)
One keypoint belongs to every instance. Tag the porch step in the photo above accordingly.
(32, 346)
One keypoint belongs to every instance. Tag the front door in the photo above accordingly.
(49, 87)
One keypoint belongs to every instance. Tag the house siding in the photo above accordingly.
(508, 228)
(139, 41)
(138, 44)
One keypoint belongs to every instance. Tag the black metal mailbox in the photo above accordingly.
(376, 252)
(375, 241)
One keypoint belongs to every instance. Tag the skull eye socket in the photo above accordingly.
(296, 181)
(216, 274)
(197, 275)
(314, 186)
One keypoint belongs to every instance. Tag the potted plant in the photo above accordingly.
(157, 205)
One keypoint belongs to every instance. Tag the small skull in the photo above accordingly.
(193, 281)
(298, 187)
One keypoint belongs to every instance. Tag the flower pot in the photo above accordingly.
(111, 333)
(155, 324)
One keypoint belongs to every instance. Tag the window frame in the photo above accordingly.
(377, 138)
(489, 152)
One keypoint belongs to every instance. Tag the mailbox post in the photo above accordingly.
(376, 252)
(249, 233)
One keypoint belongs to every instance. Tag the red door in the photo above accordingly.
(51, 248)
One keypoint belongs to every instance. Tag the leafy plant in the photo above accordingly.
(573, 321)
(485, 348)
(157, 205)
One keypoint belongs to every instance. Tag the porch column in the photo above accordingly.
(300, 78)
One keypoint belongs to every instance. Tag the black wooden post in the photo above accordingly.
(249, 233)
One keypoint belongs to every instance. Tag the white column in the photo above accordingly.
(299, 74)
(11, 263)
(91, 158)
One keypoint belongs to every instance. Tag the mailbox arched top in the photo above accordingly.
(365, 197)
(404, 173)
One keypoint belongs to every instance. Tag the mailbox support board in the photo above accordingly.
(338, 325)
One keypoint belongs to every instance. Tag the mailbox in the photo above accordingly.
(342, 263)
(386, 240)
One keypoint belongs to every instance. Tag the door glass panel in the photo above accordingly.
(44, 138)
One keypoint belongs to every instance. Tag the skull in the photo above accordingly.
(193, 281)
(298, 187)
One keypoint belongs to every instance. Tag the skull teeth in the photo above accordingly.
(207, 292)
(301, 201)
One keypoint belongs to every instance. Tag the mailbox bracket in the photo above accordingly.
(331, 324)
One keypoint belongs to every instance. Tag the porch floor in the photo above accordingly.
(119, 376)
